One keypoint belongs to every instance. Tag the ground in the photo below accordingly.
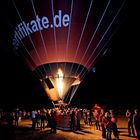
(24, 132)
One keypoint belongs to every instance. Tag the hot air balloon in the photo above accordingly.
(61, 40)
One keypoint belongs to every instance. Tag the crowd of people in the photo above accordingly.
(100, 118)
(106, 121)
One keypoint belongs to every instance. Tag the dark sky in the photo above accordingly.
(116, 80)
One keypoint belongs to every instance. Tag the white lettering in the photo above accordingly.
(45, 22)
(65, 20)
(57, 19)
(25, 29)
(34, 26)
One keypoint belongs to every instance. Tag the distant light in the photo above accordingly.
(105, 51)
(94, 69)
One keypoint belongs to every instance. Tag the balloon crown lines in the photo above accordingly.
(24, 29)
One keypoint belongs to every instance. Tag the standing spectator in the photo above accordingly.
(43, 118)
(109, 126)
(97, 119)
(114, 126)
(38, 118)
(129, 116)
(16, 117)
(90, 116)
(103, 121)
(10, 118)
(48, 117)
(78, 118)
(113, 119)
(85, 116)
(53, 121)
(136, 122)
(72, 119)
(34, 112)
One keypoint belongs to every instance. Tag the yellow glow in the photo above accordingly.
(59, 81)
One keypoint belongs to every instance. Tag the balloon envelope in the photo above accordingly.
(61, 40)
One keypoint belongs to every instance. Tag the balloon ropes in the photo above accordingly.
(61, 40)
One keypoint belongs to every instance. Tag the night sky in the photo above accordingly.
(115, 82)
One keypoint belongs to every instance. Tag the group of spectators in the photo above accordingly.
(44, 118)
(51, 118)
(102, 119)
(133, 117)
(106, 121)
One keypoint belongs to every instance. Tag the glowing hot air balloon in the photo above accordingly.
(61, 40)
